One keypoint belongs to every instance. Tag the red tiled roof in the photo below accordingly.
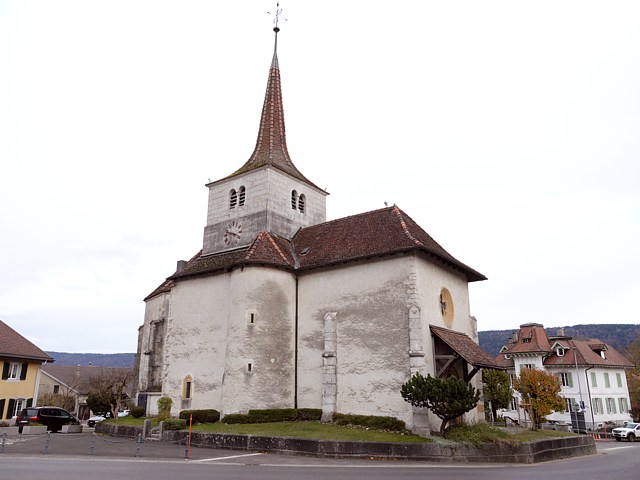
(469, 350)
(14, 345)
(587, 352)
(373, 234)
(586, 355)
(271, 145)
(532, 338)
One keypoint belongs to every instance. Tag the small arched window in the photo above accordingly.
(241, 196)
(301, 202)
(294, 200)
(187, 387)
(233, 198)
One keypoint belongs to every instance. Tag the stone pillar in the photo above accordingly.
(420, 424)
(329, 370)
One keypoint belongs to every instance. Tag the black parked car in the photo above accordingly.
(53, 417)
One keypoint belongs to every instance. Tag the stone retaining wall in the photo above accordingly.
(529, 452)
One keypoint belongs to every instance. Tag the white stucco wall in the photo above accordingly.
(210, 339)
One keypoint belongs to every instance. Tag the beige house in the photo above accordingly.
(282, 308)
(20, 362)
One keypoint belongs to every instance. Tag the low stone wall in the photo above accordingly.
(529, 452)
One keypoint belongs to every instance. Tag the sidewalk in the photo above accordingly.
(88, 444)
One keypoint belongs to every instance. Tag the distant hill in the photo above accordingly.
(95, 359)
(616, 335)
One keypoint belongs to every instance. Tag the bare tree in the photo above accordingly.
(106, 389)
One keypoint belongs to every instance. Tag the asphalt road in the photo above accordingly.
(68, 458)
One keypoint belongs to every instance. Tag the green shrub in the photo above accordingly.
(269, 415)
(236, 418)
(174, 424)
(137, 412)
(164, 408)
(201, 416)
(309, 414)
(370, 421)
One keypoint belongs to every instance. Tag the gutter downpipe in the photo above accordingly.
(593, 419)
(575, 359)
(295, 354)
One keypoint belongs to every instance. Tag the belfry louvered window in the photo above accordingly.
(241, 195)
(233, 198)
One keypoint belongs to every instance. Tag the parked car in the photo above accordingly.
(630, 431)
(53, 417)
(98, 418)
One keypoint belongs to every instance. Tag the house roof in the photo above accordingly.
(531, 338)
(469, 350)
(271, 145)
(368, 235)
(79, 377)
(587, 351)
(14, 345)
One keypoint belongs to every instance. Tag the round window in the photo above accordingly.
(446, 307)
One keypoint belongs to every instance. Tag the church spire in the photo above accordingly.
(271, 145)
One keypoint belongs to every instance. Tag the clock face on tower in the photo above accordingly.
(233, 233)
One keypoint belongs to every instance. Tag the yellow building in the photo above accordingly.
(20, 362)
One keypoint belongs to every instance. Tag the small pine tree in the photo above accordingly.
(448, 398)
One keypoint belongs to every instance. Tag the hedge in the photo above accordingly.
(275, 415)
(201, 416)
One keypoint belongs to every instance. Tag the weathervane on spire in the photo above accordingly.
(276, 17)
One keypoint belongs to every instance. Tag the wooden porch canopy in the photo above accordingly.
(458, 347)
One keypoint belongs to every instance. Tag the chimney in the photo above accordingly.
(560, 331)
(182, 264)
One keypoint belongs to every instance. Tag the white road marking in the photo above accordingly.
(227, 458)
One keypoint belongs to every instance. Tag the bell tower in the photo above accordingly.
(268, 193)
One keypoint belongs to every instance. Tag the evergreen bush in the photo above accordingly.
(137, 412)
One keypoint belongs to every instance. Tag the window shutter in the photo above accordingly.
(570, 379)
(1, 407)
(23, 372)
(5, 371)
(12, 403)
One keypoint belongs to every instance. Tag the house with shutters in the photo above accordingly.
(284, 309)
(591, 374)
(21, 361)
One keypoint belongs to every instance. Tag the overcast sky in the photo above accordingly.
(510, 131)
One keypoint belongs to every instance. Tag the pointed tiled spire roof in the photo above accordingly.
(271, 146)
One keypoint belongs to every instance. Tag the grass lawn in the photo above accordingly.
(476, 434)
(315, 430)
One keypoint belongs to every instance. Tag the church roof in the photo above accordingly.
(14, 345)
(271, 145)
(371, 234)
(368, 235)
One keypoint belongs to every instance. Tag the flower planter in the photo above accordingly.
(34, 430)
(8, 430)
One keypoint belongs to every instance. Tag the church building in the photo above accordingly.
(284, 309)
